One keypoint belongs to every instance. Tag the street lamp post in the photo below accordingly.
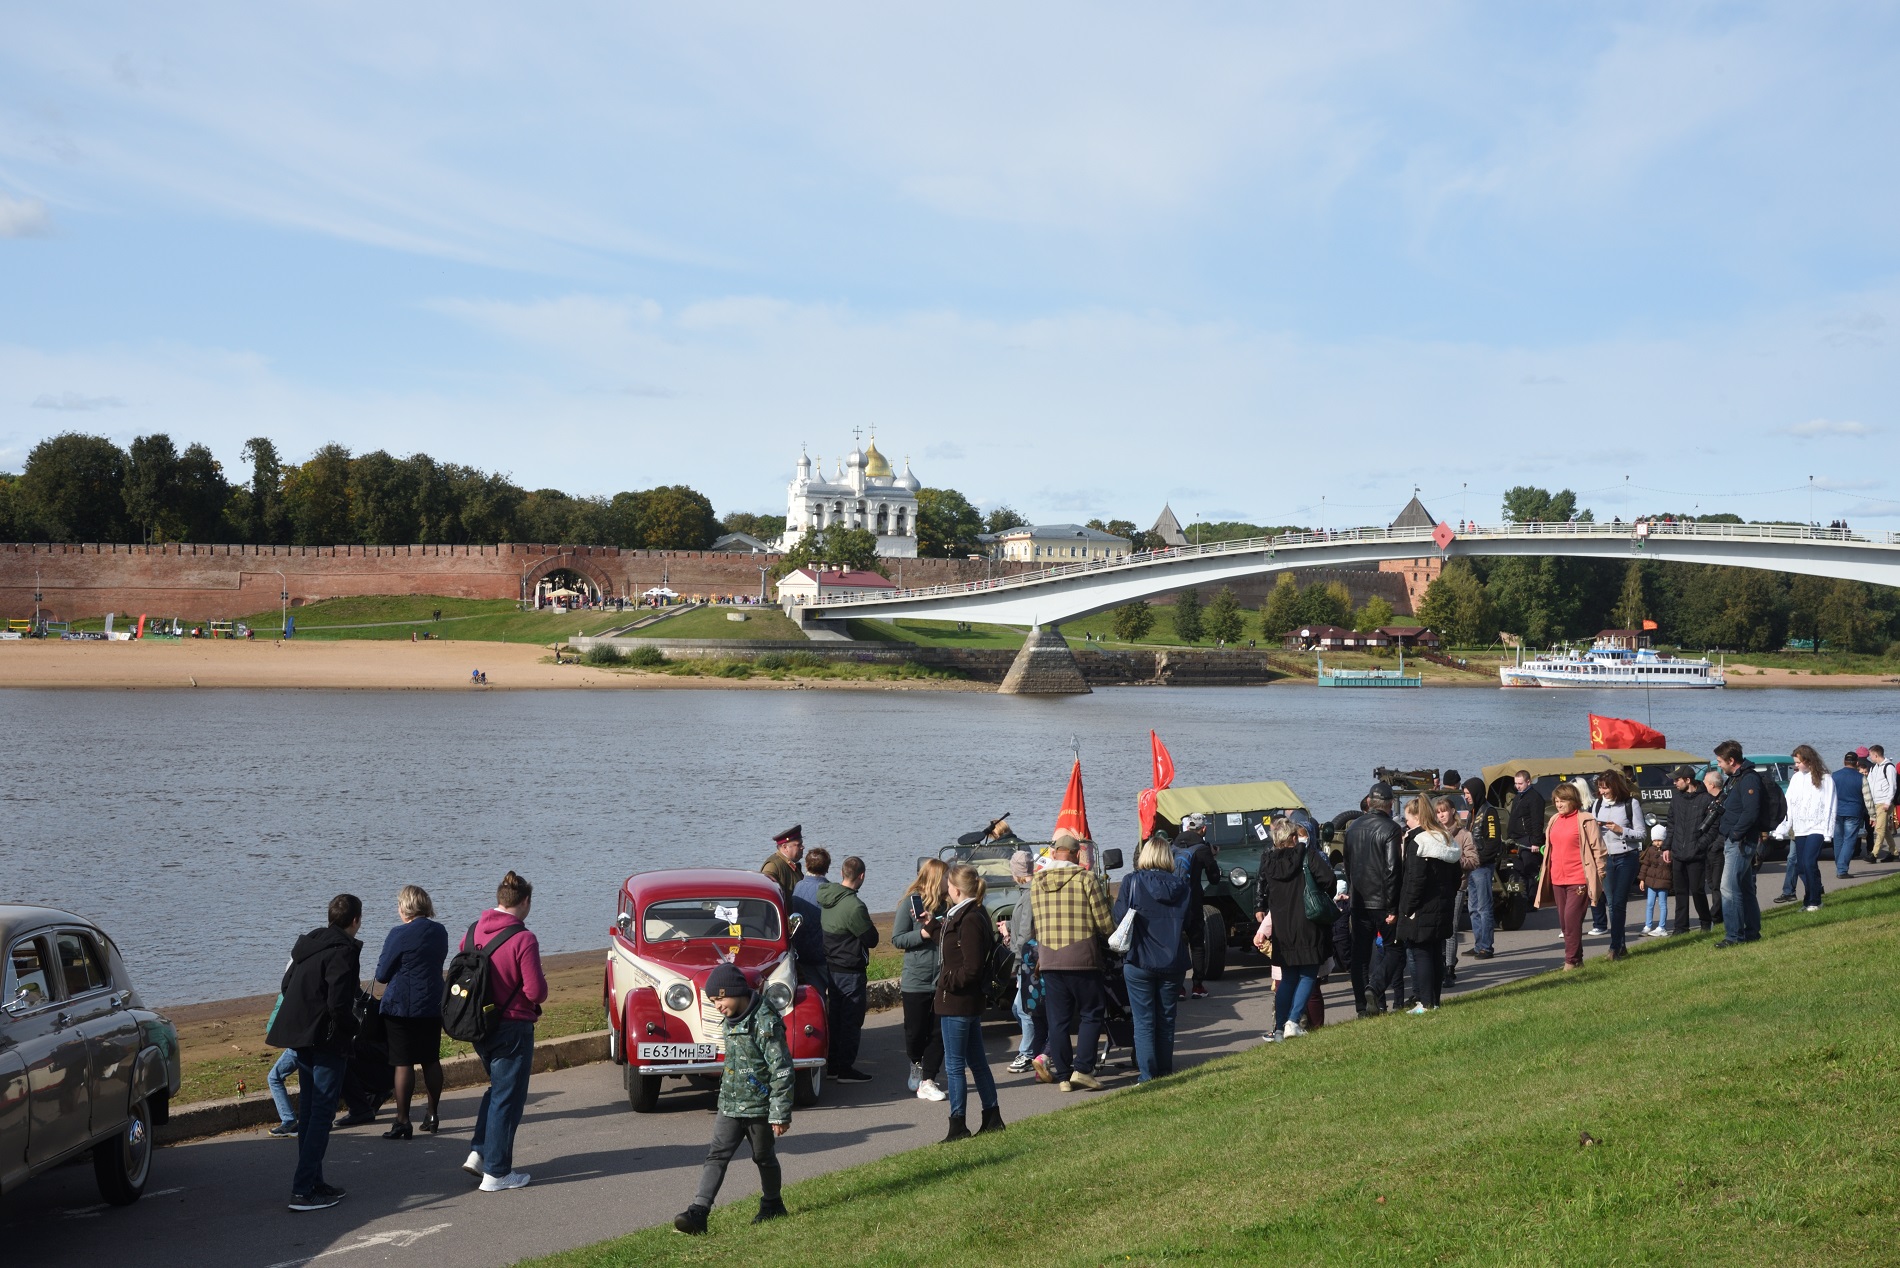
(283, 604)
(763, 569)
(36, 598)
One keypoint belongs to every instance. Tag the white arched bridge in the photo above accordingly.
(1055, 595)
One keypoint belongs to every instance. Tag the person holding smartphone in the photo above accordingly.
(916, 930)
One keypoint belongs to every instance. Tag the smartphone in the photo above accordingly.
(917, 908)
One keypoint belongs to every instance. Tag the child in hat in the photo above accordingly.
(755, 1097)
(1658, 879)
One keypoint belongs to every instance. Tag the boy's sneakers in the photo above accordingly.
(692, 1220)
(473, 1163)
(929, 1091)
(851, 1076)
(1021, 1065)
(916, 1075)
(320, 1198)
(283, 1129)
(513, 1180)
(1812, 907)
(1294, 1030)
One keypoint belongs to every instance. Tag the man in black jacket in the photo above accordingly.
(1741, 836)
(1374, 871)
(317, 1020)
(1525, 828)
(1690, 844)
(1193, 851)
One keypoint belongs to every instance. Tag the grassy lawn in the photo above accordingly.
(760, 622)
(1745, 1109)
(469, 620)
(937, 634)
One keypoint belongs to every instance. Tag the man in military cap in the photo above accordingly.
(782, 866)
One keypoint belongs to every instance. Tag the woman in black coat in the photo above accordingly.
(1428, 899)
(1299, 944)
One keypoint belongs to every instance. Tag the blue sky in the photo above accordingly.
(1082, 259)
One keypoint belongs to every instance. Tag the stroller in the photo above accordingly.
(1118, 1023)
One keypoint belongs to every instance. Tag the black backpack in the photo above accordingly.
(1774, 803)
(470, 1011)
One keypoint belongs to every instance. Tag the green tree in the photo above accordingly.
(382, 493)
(1374, 615)
(1224, 619)
(1133, 621)
(1455, 606)
(763, 527)
(151, 488)
(947, 524)
(487, 506)
(1188, 626)
(1280, 614)
(837, 545)
(1325, 603)
(1848, 620)
(268, 523)
(1632, 607)
(73, 487)
(317, 498)
(200, 495)
(677, 517)
(1118, 528)
(15, 526)
(1003, 518)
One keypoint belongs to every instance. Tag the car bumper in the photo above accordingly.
(686, 1068)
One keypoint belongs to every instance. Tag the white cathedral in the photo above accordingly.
(861, 493)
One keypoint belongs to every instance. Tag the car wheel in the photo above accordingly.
(123, 1162)
(1215, 943)
(808, 1086)
(643, 1091)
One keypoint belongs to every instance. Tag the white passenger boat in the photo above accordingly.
(1604, 665)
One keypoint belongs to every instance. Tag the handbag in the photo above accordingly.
(369, 1020)
(1319, 906)
(1124, 936)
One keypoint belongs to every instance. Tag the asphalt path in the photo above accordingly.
(600, 1170)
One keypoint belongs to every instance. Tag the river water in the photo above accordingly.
(206, 829)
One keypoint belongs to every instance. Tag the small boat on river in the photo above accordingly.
(1369, 677)
(1607, 665)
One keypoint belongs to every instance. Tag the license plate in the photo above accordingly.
(679, 1052)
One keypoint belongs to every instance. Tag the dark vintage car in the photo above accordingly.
(84, 1065)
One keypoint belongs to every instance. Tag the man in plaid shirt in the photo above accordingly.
(1070, 907)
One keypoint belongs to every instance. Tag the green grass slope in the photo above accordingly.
(396, 616)
(1746, 1103)
(938, 634)
(760, 622)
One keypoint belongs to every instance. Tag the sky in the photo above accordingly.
(1273, 263)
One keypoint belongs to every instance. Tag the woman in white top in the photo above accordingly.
(1625, 829)
(1810, 821)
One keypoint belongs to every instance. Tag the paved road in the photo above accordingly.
(598, 1169)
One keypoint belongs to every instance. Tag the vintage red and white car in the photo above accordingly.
(672, 929)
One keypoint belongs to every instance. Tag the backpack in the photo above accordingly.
(470, 1011)
(1774, 803)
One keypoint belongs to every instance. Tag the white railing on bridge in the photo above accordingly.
(1636, 530)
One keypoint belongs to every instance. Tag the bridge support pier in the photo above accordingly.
(1044, 667)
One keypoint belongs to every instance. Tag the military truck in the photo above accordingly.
(1235, 815)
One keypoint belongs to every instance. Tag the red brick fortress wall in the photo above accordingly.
(217, 582)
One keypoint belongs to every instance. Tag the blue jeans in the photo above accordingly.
(319, 1088)
(1295, 988)
(1619, 875)
(1024, 1018)
(279, 1094)
(1741, 907)
(1655, 908)
(1152, 998)
(1804, 861)
(1846, 833)
(963, 1049)
(507, 1057)
(1484, 926)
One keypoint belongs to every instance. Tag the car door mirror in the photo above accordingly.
(624, 923)
(1111, 860)
(794, 924)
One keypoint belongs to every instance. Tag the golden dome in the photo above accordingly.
(876, 465)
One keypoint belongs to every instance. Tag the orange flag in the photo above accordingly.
(1622, 733)
(1164, 761)
(1145, 809)
(1074, 815)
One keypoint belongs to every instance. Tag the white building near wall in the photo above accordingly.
(862, 493)
(817, 583)
(1054, 544)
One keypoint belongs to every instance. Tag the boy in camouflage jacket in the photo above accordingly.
(755, 1097)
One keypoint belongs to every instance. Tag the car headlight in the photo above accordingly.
(778, 995)
(679, 997)
(1238, 878)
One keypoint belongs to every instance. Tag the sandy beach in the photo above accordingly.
(437, 665)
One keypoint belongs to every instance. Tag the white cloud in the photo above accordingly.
(76, 401)
(1829, 427)
(23, 218)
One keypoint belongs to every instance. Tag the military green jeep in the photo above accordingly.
(1235, 813)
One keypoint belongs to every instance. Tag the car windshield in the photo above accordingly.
(684, 919)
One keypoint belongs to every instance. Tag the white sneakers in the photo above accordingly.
(1418, 1010)
(1293, 1030)
(473, 1164)
(916, 1076)
(1812, 907)
(927, 1090)
(513, 1180)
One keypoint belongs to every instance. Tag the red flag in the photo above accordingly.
(1649, 625)
(1145, 810)
(1164, 761)
(1622, 733)
(1074, 815)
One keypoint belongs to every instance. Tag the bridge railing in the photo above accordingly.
(1636, 530)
